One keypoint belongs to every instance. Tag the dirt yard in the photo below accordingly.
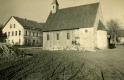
(110, 62)
(69, 65)
(98, 65)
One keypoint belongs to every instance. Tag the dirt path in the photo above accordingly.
(110, 62)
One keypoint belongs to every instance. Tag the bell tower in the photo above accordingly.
(54, 6)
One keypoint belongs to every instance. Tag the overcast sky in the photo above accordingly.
(38, 10)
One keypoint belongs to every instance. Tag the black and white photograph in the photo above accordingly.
(61, 39)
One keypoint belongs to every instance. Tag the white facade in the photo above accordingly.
(84, 38)
(11, 28)
(18, 35)
(102, 41)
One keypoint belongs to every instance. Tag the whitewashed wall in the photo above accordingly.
(85, 39)
(62, 43)
(18, 27)
(102, 42)
(88, 38)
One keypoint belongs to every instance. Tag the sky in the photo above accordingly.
(38, 10)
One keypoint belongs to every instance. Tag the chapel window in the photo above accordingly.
(48, 37)
(68, 36)
(57, 36)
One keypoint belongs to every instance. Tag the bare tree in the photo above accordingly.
(113, 31)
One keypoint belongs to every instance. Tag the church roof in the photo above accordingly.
(72, 18)
(29, 24)
(101, 26)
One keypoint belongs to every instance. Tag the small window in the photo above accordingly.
(14, 25)
(26, 41)
(26, 33)
(33, 33)
(48, 37)
(19, 41)
(8, 33)
(19, 33)
(68, 36)
(12, 33)
(10, 25)
(30, 33)
(37, 34)
(37, 42)
(16, 33)
(57, 36)
(86, 30)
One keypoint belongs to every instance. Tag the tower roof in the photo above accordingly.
(55, 2)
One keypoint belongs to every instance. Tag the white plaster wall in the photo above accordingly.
(88, 38)
(62, 43)
(102, 42)
(18, 27)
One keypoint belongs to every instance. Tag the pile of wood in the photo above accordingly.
(6, 51)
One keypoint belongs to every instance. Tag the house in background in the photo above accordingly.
(23, 32)
(79, 27)
(121, 37)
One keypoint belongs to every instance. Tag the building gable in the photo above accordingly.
(12, 23)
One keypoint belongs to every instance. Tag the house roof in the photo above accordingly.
(29, 24)
(101, 26)
(121, 33)
(72, 18)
